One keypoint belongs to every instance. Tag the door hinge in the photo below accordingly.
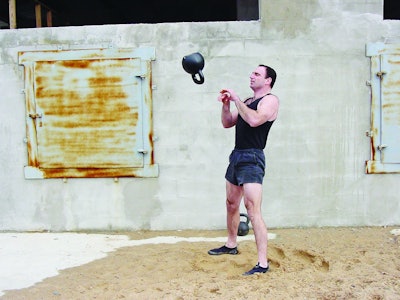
(381, 147)
(380, 74)
(143, 151)
(34, 116)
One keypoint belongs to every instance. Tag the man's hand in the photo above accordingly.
(228, 95)
(224, 96)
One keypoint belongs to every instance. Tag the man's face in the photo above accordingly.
(257, 78)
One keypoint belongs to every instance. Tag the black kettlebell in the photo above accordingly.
(194, 64)
(243, 226)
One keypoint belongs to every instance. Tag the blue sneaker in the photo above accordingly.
(257, 269)
(223, 250)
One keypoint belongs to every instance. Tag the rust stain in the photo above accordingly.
(152, 146)
(80, 64)
(373, 143)
(104, 81)
(91, 172)
(394, 61)
(370, 169)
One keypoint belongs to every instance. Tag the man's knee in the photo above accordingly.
(232, 205)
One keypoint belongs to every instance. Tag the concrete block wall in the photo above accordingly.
(315, 153)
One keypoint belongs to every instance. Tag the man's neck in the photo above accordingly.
(261, 93)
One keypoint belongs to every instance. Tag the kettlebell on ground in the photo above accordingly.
(243, 225)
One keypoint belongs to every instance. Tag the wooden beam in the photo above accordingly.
(38, 14)
(49, 17)
(12, 11)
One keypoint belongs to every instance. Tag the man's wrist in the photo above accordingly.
(236, 100)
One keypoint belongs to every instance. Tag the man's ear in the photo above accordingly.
(268, 80)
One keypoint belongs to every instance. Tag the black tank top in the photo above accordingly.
(247, 137)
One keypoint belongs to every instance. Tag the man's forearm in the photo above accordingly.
(226, 115)
(247, 114)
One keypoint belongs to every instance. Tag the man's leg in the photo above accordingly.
(252, 201)
(234, 195)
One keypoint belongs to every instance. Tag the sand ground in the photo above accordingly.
(311, 263)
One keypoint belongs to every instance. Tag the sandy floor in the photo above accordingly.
(318, 263)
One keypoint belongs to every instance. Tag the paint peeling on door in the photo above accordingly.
(89, 113)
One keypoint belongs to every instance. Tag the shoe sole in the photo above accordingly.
(221, 253)
(256, 272)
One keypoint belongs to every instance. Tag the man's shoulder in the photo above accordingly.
(270, 98)
(270, 95)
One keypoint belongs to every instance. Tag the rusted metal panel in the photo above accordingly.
(30, 122)
(385, 109)
(89, 113)
(377, 167)
(144, 53)
(42, 173)
(390, 144)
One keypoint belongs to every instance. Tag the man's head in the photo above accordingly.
(269, 73)
(261, 77)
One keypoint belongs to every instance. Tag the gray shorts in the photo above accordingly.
(246, 166)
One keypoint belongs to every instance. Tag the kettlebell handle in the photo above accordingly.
(198, 81)
(246, 216)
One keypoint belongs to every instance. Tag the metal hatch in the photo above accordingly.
(89, 113)
(385, 108)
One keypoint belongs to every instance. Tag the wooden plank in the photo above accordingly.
(38, 15)
(12, 14)
(49, 17)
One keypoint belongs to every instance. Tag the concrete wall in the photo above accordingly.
(315, 154)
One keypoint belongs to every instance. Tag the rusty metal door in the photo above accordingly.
(385, 108)
(390, 109)
(89, 113)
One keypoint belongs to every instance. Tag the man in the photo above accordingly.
(252, 119)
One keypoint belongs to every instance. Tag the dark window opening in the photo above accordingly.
(103, 12)
(391, 10)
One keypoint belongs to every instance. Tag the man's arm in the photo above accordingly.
(228, 118)
(267, 110)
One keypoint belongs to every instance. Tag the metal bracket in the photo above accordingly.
(380, 74)
(34, 116)
(381, 147)
(143, 151)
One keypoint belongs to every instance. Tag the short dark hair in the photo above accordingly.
(269, 72)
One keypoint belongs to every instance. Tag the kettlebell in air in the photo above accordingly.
(243, 226)
(194, 64)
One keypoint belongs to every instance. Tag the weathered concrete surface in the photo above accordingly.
(316, 151)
